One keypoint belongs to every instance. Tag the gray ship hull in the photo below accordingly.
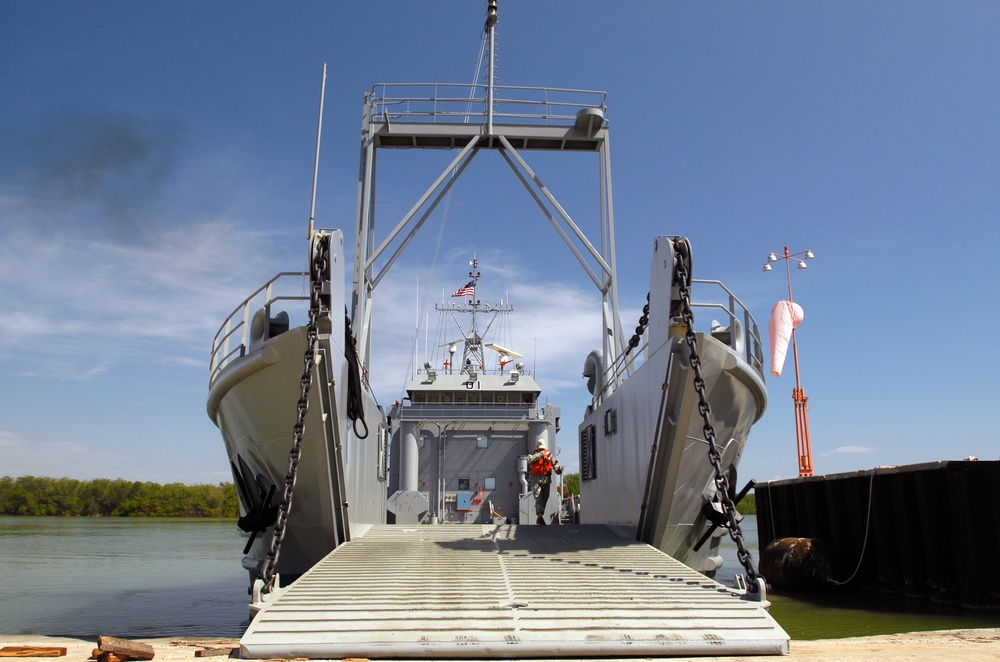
(645, 462)
(253, 396)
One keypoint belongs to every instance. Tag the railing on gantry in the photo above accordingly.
(464, 103)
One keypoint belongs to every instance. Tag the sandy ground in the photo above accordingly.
(939, 646)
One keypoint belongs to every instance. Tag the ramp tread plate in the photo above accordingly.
(479, 591)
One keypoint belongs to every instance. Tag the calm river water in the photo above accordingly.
(148, 578)
(126, 577)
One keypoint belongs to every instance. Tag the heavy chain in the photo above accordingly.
(317, 273)
(640, 328)
(682, 280)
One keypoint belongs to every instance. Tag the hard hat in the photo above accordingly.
(540, 443)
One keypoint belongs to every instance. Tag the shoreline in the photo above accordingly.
(962, 644)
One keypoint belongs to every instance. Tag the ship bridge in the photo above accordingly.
(508, 396)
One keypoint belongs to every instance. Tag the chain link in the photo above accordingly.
(317, 273)
(639, 329)
(682, 280)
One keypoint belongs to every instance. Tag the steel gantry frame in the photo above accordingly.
(513, 120)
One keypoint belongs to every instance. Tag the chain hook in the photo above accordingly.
(682, 281)
(317, 273)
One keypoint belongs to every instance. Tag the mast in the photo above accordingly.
(473, 341)
(473, 349)
(491, 21)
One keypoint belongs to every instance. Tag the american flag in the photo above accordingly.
(467, 290)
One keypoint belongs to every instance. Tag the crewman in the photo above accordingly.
(541, 465)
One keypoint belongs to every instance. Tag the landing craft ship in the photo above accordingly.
(409, 532)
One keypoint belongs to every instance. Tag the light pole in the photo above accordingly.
(798, 394)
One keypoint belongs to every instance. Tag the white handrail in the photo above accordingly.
(444, 102)
(238, 321)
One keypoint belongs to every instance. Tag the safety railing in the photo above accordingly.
(741, 324)
(737, 328)
(465, 103)
(467, 412)
(233, 337)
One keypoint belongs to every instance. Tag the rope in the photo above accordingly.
(770, 510)
(868, 519)
(355, 405)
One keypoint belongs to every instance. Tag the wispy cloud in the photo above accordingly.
(68, 370)
(98, 264)
(88, 302)
(36, 457)
(853, 449)
(554, 325)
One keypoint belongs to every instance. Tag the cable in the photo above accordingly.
(355, 405)
(864, 545)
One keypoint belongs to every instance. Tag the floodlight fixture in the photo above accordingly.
(798, 393)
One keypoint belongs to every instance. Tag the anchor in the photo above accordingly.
(714, 512)
(260, 513)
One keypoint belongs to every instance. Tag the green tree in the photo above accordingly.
(748, 506)
(571, 484)
(32, 496)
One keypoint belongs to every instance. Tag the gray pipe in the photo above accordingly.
(522, 474)
(409, 458)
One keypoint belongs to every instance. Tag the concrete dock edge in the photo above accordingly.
(971, 644)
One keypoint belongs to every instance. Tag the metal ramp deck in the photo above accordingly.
(483, 591)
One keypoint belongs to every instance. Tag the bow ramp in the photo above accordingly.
(486, 591)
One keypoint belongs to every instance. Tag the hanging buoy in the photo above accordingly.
(798, 564)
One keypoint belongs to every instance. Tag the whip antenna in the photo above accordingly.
(319, 132)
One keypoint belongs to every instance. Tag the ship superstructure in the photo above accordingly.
(463, 432)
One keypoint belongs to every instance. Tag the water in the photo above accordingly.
(148, 578)
(126, 577)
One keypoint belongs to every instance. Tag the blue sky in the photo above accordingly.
(156, 165)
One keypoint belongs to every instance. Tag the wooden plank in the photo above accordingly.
(32, 651)
(214, 652)
(126, 648)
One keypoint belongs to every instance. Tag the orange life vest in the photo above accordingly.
(542, 466)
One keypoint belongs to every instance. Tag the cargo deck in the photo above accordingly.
(503, 591)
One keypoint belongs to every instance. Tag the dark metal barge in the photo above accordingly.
(924, 531)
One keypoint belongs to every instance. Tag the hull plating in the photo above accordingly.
(254, 404)
(618, 492)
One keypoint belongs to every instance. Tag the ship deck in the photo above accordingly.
(484, 591)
